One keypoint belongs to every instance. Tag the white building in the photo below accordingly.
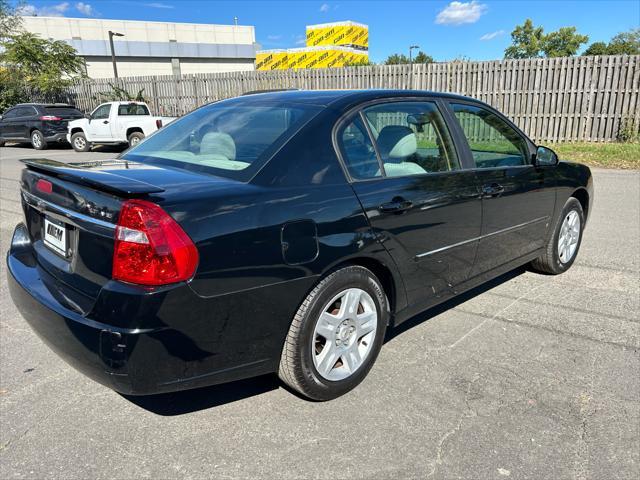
(152, 48)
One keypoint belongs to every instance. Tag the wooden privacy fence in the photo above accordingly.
(552, 99)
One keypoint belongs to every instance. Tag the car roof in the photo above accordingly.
(46, 105)
(335, 98)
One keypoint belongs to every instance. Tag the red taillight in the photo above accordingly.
(50, 117)
(150, 247)
(44, 186)
(158, 123)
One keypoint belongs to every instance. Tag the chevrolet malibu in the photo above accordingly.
(283, 232)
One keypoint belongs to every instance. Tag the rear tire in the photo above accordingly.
(79, 142)
(336, 335)
(37, 140)
(564, 244)
(135, 138)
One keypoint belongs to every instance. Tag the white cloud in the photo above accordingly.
(301, 40)
(492, 35)
(58, 10)
(459, 13)
(86, 9)
(324, 8)
(158, 5)
(274, 37)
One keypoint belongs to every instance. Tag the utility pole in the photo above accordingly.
(113, 54)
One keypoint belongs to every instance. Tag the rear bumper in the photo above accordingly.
(170, 340)
(56, 137)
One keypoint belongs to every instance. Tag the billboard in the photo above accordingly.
(346, 33)
(319, 57)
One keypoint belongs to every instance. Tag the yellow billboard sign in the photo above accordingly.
(319, 57)
(337, 34)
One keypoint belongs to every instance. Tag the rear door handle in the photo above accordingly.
(492, 190)
(105, 122)
(396, 205)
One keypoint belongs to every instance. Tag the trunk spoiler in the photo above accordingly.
(90, 174)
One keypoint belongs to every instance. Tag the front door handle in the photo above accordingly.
(105, 122)
(396, 205)
(492, 190)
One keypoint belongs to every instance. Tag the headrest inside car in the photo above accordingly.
(219, 143)
(397, 141)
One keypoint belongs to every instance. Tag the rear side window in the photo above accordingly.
(358, 151)
(64, 112)
(133, 109)
(230, 140)
(11, 113)
(493, 142)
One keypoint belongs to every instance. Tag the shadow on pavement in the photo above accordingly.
(452, 303)
(179, 403)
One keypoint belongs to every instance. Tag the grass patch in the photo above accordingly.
(603, 155)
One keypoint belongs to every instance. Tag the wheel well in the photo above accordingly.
(76, 130)
(583, 197)
(382, 272)
(134, 130)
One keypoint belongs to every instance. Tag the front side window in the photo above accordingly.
(226, 139)
(412, 138)
(101, 112)
(493, 142)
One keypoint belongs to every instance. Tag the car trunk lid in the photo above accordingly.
(71, 211)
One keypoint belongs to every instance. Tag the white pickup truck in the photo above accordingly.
(114, 123)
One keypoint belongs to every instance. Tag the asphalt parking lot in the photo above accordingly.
(529, 377)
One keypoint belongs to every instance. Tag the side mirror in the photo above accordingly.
(545, 157)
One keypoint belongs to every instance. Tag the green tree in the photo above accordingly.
(526, 41)
(529, 41)
(402, 59)
(42, 66)
(625, 43)
(422, 57)
(10, 21)
(564, 42)
(597, 48)
(396, 59)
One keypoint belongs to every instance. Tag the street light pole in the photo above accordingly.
(113, 55)
(411, 48)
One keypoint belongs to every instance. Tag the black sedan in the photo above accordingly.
(40, 124)
(283, 232)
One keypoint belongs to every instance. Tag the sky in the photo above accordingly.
(475, 29)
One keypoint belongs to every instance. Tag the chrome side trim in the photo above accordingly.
(482, 237)
(64, 214)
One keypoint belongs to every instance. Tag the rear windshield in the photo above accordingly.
(64, 112)
(133, 109)
(228, 140)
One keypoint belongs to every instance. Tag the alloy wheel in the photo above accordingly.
(344, 334)
(569, 236)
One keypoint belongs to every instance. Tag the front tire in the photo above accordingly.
(37, 140)
(336, 334)
(564, 244)
(135, 138)
(79, 142)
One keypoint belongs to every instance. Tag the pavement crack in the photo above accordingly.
(468, 413)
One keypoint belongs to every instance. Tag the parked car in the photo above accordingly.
(284, 232)
(38, 123)
(114, 123)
